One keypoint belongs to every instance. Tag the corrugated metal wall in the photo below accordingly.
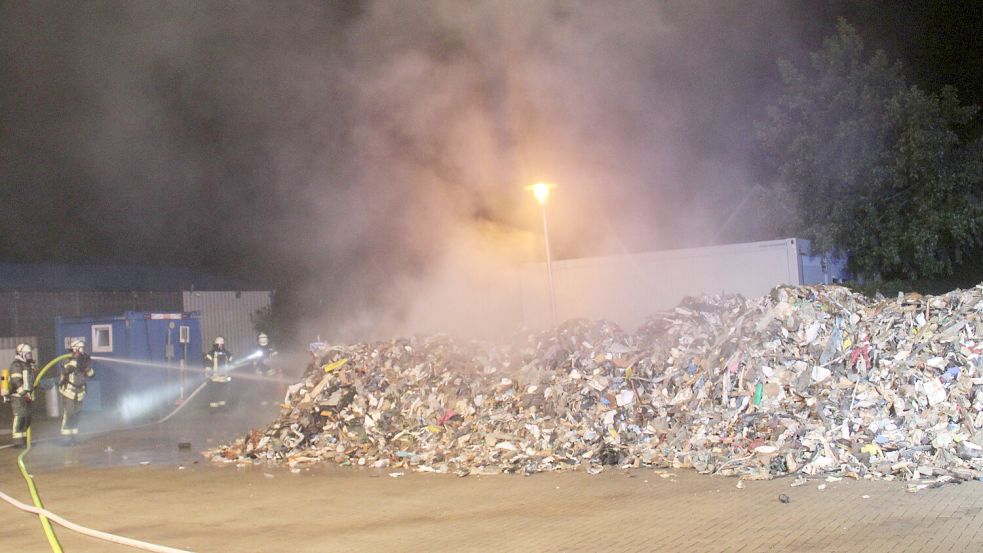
(227, 314)
(33, 313)
(29, 276)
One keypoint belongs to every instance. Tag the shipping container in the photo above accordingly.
(629, 288)
(131, 340)
(229, 315)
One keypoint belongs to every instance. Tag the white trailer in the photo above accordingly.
(628, 288)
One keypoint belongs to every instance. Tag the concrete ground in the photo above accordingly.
(137, 483)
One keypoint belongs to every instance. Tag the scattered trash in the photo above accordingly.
(109, 449)
(740, 484)
(784, 498)
(812, 381)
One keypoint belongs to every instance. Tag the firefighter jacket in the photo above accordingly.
(216, 361)
(74, 373)
(262, 362)
(21, 378)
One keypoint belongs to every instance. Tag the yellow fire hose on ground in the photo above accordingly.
(43, 514)
(49, 532)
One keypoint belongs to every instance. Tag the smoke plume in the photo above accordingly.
(368, 159)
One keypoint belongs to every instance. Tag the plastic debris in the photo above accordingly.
(813, 381)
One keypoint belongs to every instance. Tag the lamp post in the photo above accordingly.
(541, 191)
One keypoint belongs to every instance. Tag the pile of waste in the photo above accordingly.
(813, 381)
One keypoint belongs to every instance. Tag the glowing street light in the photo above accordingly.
(541, 191)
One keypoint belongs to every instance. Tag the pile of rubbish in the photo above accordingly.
(813, 381)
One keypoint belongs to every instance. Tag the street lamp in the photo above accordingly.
(541, 191)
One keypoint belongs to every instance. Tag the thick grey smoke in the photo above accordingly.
(640, 111)
(370, 157)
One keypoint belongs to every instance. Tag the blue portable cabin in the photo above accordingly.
(159, 338)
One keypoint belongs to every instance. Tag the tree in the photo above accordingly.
(877, 169)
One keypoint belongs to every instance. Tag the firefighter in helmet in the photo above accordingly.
(217, 362)
(263, 365)
(16, 389)
(74, 374)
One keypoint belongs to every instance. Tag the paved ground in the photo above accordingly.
(177, 499)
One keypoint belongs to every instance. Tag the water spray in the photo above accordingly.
(137, 405)
(229, 368)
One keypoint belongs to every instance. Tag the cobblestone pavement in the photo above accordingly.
(221, 509)
(139, 484)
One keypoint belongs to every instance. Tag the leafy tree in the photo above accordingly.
(877, 169)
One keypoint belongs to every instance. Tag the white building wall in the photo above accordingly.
(629, 288)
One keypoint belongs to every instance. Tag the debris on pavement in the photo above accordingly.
(814, 381)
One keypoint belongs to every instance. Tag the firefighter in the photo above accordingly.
(71, 387)
(16, 389)
(216, 366)
(264, 356)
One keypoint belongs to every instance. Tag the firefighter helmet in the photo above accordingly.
(78, 345)
(24, 351)
(263, 339)
(219, 341)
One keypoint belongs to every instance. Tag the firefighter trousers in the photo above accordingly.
(218, 395)
(22, 419)
(70, 411)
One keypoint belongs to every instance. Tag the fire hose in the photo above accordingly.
(44, 515)
(49, 532)
(88, 531)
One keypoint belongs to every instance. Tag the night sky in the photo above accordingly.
(335, 151)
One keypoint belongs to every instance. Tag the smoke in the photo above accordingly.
(368, 158)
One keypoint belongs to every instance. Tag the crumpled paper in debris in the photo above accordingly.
(810, 380)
